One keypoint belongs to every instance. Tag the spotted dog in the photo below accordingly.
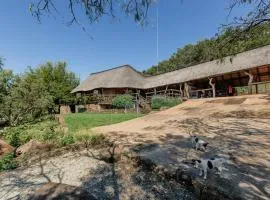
(209, 164)
(199, 143)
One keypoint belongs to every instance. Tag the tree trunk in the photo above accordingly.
(213, 85)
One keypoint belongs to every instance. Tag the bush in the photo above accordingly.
(7, 162)
(45, 131)
(67, 139)
(161, 101)
(13, 138)
(123, 101)
(89, 140)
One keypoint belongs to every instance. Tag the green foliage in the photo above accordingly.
(7, 162)
(44, 131)
(49, 131)
(1, 64)
(67, 139)
(229, 42)
(161, 101)
(6, 82)
(89, 139)
(13, 138)
(80, 121)
(58, 81)
(123, 101)
(88, 99)
(36, 93)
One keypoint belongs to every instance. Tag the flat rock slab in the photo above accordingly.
(237, 181)
(58, 191)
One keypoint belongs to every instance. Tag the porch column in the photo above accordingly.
(137, 101)
(186, 86)
(181, 91)
(249, 81)
(213, 85)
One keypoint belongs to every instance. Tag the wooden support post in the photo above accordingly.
(186, 89)
(213, 85)
(155, 91)
(181, 91)
(249, 81)
(137, 101)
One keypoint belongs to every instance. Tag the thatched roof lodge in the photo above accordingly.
(243, 72)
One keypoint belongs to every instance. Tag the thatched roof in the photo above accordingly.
(120, 77)
(127, 77)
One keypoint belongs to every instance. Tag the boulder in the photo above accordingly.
(31, 146)
(5, 148)
(58, 191)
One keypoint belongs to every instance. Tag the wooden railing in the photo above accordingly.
(202, 93)
(167, 93)
(260, 87)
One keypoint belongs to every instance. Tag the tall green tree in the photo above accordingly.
(58, 81)
(35, 93)
(28, 99)
(214, 48)
(7, 79)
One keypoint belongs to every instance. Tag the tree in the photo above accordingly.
(214, 48)
(35, 93)
(1, 64)
(123, 101)
(93, 9)
(58, 81)
(28, 100)
(6, 83)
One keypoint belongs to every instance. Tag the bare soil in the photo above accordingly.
(237, 128)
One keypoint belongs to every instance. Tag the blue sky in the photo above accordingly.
(25, 42)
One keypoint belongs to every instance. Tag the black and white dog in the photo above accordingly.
(199, 143)
(209, 164)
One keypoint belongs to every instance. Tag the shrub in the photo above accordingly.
(45, 131)
(67, 140)
(13, 138)
(162, 101)
(7, 162)
(88, 139)
(123, 101)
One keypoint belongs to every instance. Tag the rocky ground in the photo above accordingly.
(85, 170)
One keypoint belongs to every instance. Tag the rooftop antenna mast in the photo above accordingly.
(157, 37)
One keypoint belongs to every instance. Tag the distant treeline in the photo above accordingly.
(228, 42)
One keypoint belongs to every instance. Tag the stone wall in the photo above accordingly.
(64, 109)
(93, 108)
(88, 108)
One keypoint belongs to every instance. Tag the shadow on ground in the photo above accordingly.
(243, 145)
